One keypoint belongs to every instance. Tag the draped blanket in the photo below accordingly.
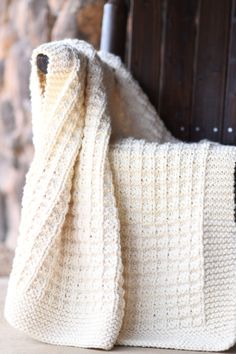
(127, 234)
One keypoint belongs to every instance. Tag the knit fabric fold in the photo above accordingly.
(127, 235)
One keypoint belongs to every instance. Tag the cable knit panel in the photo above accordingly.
(127, 235)
(160, 196)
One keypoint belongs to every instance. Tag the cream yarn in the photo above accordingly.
(127, 235)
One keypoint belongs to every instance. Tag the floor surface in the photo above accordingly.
(14, 342)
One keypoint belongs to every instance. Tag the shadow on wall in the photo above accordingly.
(25, 24)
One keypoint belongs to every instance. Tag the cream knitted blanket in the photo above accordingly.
(128, 239)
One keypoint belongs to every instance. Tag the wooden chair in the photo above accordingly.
(183, 53)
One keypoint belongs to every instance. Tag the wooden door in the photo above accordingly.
(183, 53)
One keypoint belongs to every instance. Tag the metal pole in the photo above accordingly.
(114, 25)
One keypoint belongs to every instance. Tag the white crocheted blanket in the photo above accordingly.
(127, 235)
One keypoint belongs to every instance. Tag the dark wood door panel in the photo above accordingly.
(229, 122)
(145, 45)
(211, 69)
(177, 76)
(183, 53)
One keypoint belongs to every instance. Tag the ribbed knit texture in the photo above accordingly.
(127, 235)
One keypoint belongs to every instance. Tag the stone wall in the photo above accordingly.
(24, 24)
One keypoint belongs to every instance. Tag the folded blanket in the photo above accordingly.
(127, 234)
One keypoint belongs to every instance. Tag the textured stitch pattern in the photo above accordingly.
(127, 235)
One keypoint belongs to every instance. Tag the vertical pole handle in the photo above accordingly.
(113, 37)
